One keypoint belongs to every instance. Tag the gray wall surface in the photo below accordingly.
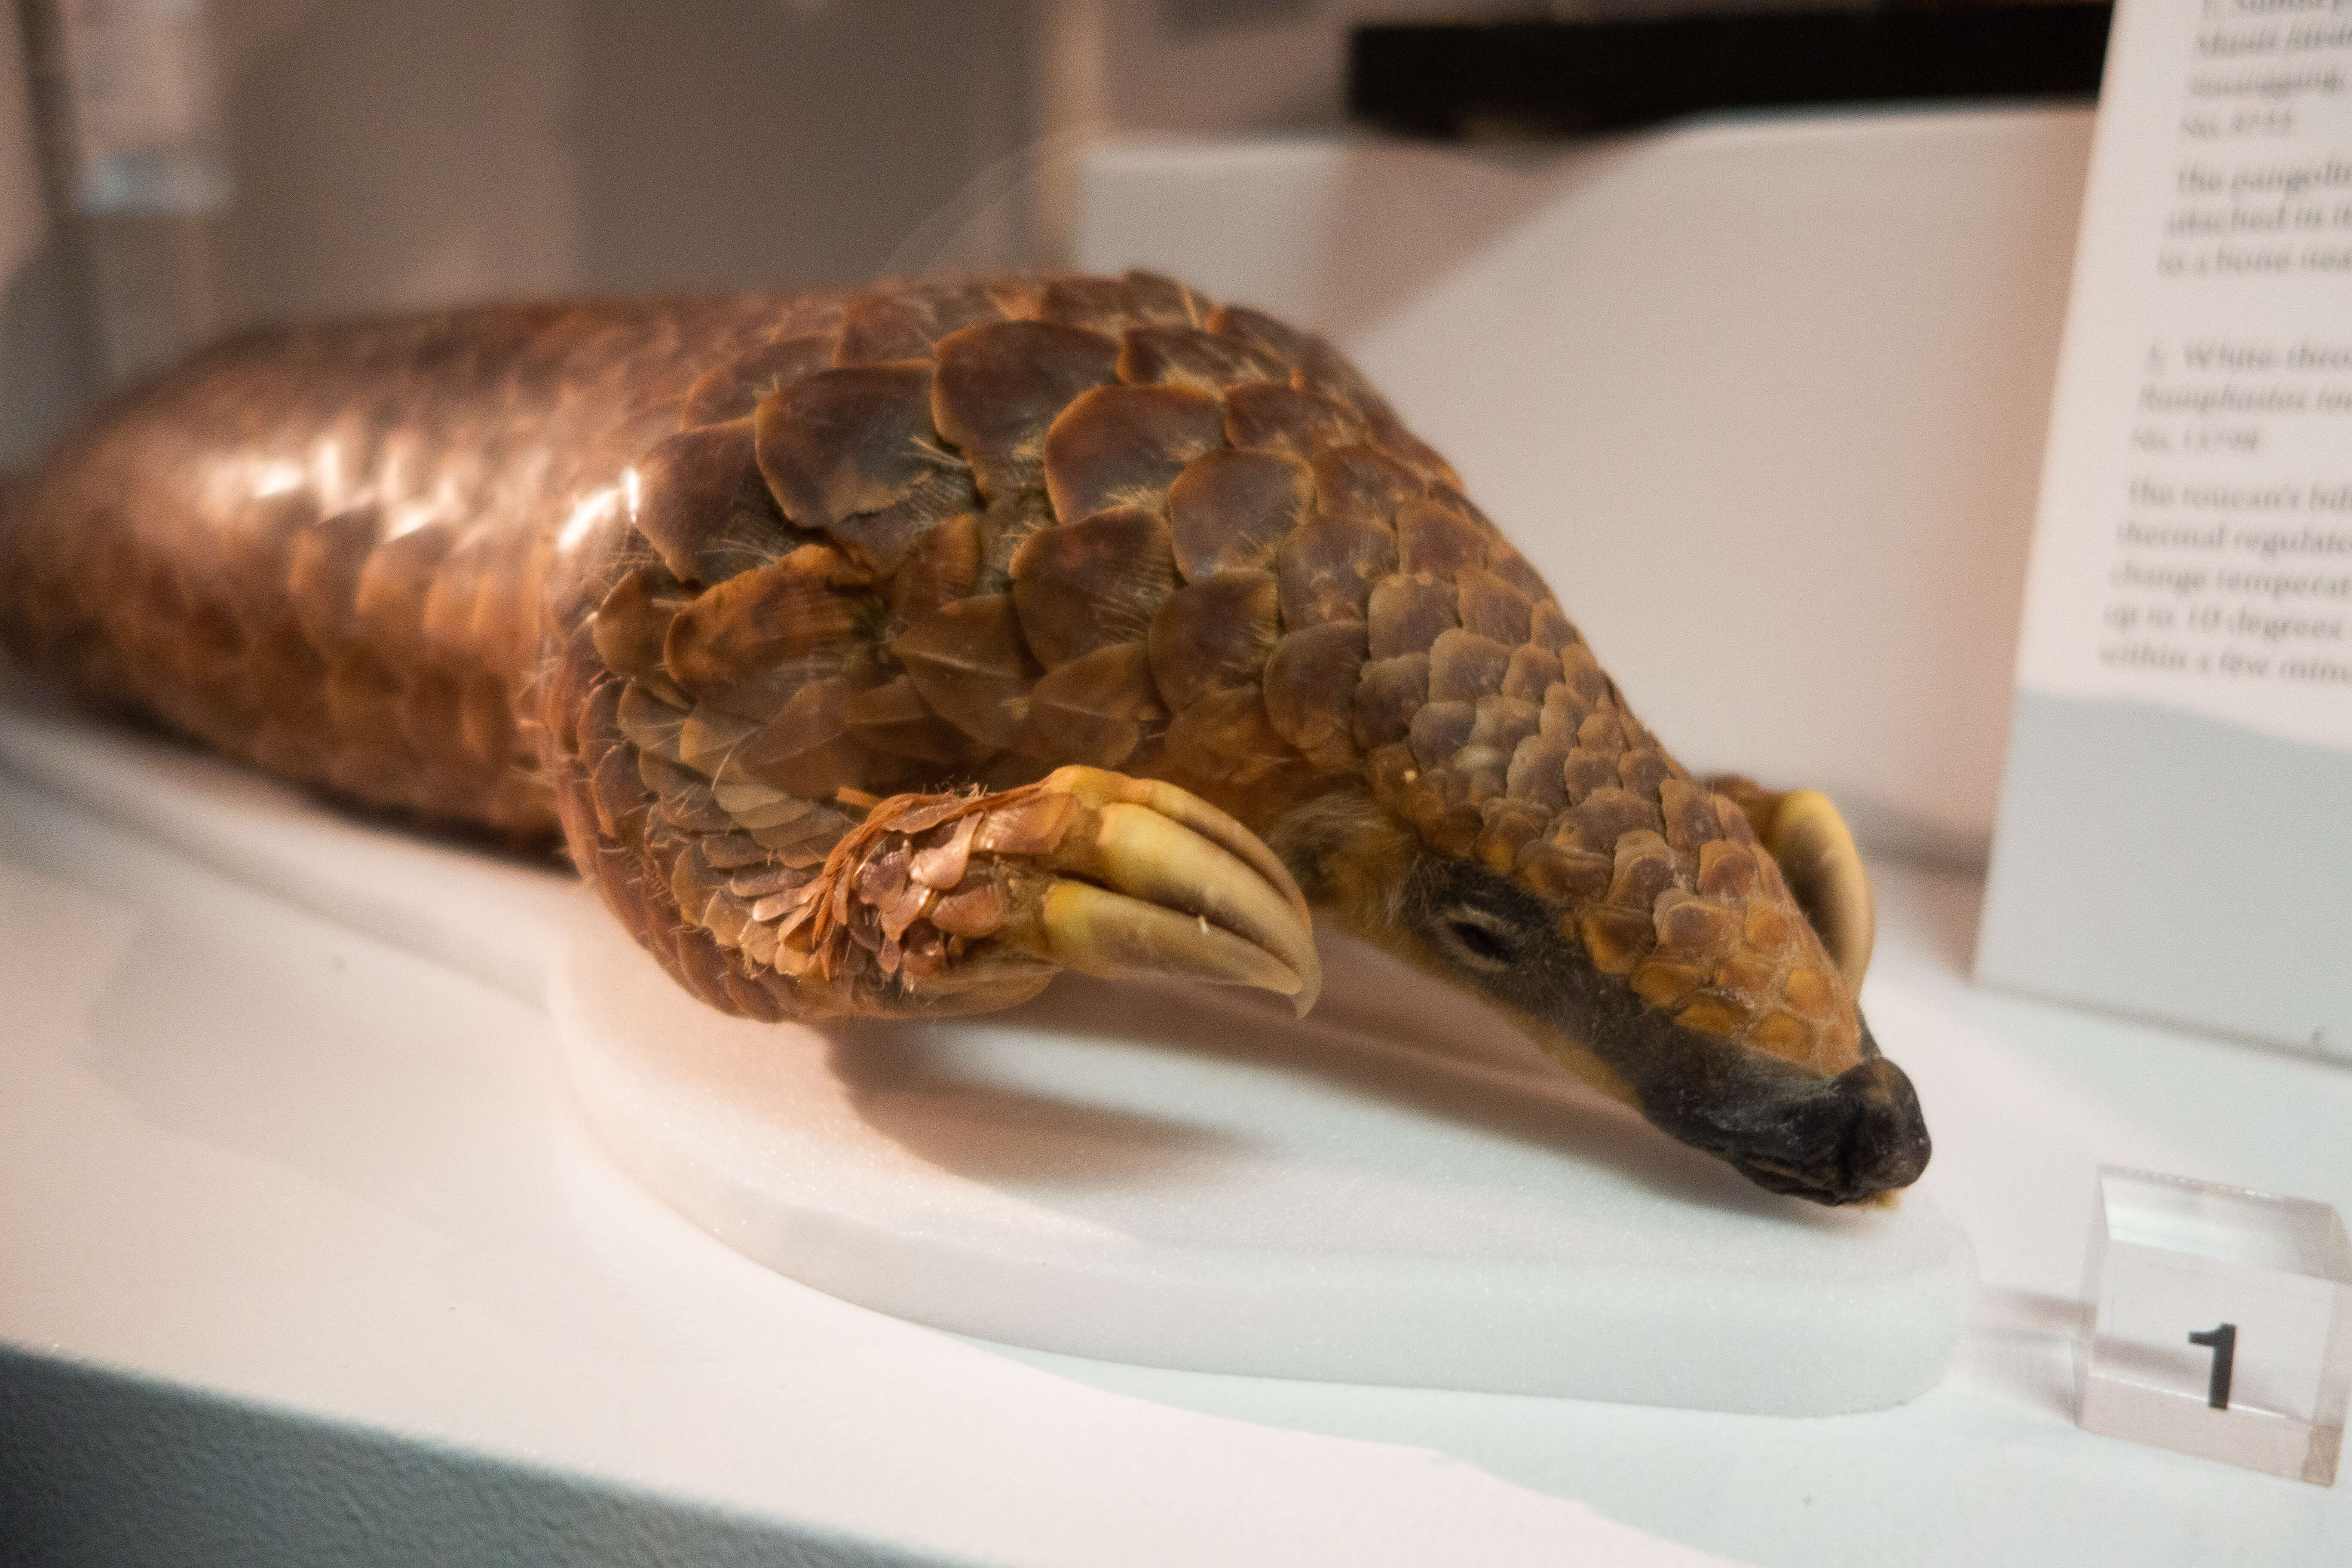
(2160, 863)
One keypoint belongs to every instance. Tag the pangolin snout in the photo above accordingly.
(1864, 1137)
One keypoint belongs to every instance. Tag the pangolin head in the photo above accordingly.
(1693, 947)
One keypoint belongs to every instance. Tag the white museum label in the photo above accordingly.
(2193, 546)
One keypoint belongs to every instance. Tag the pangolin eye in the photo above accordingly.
(1481, 940)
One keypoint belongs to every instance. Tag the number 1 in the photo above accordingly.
(2224, 1344)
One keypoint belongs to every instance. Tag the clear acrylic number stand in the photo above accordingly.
(2220, 1323)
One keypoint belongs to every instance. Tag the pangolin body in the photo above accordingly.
(889, 651)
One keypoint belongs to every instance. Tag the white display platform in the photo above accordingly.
(1395, 1190)
(300, 1243)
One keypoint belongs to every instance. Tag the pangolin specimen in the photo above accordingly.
(887, 652)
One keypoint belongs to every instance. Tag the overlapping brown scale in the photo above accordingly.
(944, 565)
(1227, 739)
(972, 666)
(883, 539)
(804, 838)
(208, 647)
(1581, 674)
(1110, 304)
(1564, 875)
(1364, 485)
(738, 852)
(1603, 731)
(1212, 635)
(1406, 615)
(650, 724)
(467, 597)
(561, 692)
(1390, 436)
(1005, 528)
(388, 607)
(1645, 868)
(681, 798)
(1317, 365)
(248, 572)
(1746, 975)
(732, 390)
(363, 696)
(1092, 709)
(1548, 628)
(902, 325)
(1492, 608)
(1436, 539)
(1155, 297)
(1597, 821)
(1644, 769)
(1666, 982)
(1439, 730)
(1511, 827)
(632, 627)
(807, 749)
(1726, 870)
(1810, 993)
(1689, 811)
(1124, 445)
(1284, 342)
(1465, 667)
(750, 807)
(893, 718)
(1092, 583)
(710, 735)
(287, 675)
(692, 882)
(1389, 692)
(852, 452)
(1277, 417)
(1531, 673)
(1584, 771)
(1311, 685)
(598, 723)
(487, 727)
(1537, 773)
(972, 912)
(1327, 567)
(1189, 357)
(1503, 723)
(619, 795)
(1504, 562)
(700, 499)
(1232, 509)
(747, 645)
(998, 388)
(1693, 929)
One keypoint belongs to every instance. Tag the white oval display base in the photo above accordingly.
(1399, 1189)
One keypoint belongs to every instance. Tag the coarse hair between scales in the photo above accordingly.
(889, 652)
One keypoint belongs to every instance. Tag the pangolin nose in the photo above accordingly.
(1887, 1141)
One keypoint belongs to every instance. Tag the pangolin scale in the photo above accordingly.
(889, 651)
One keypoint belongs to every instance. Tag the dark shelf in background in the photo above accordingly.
(1469, 80)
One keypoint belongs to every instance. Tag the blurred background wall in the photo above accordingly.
(386, 156)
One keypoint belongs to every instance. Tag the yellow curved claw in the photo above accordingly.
(1824, 870)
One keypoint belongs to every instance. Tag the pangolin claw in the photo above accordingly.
(1097, 787)
(1183, 889)
(1113, 936)
(1818, 855)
